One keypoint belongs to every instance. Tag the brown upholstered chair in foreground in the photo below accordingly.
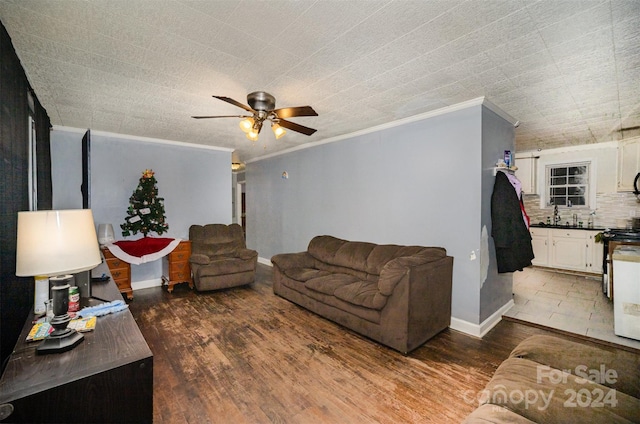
(220, 258)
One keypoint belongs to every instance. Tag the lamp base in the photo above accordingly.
(65, 340)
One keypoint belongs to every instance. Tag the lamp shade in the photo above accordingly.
(105, 234)
(56, 242)
(278, 131)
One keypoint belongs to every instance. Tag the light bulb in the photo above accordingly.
(246, 124)
(278, 131)
(252, 135)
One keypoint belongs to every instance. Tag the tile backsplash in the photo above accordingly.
(613, 210)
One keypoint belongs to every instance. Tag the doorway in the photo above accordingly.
(241, 206)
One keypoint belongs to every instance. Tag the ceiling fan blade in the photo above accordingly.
(290, 112)
(235, 103)
(295, 127)
(221, 116)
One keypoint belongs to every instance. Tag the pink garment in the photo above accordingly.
(515, 182)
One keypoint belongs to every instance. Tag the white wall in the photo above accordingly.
(195, 182)
(604, 156)
(612, 207)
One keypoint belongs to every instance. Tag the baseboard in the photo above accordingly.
(479, 330)
(264, 261)
(146, 284)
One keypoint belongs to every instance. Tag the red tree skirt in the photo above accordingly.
(143, 250)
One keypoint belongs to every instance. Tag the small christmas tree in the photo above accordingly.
(146, 210)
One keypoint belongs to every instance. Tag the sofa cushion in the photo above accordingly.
(304, 274)
(216, 239)
(608, 366)
(225, 266)
(494, 414)
(335, 269)
(361, 293)
(557, 397)
(329, 305)
(329, 283)
(366, 258)
(217, 249)
(335, 251)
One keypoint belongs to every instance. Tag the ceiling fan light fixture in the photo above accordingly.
(262, 108)
(278, 131)
(252, 135)
(246, 124)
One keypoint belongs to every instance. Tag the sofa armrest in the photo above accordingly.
(293, 260)
(199, 259)
(390, 275)
(245, 254)
(397, 268)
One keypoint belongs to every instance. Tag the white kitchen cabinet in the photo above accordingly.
(566, 249)
(628, 163)
(595, 253)
(526, 173)
(540, 244)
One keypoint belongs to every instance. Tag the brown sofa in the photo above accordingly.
(552, 380)
(219, 257)
(399, 296)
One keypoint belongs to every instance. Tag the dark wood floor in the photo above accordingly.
(244, 355)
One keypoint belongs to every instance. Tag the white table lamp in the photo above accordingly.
(54, 244)
(105, 234)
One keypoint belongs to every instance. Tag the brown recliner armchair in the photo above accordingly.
(220, 258)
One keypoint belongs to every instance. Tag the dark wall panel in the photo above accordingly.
(16, 294)
(43, 132)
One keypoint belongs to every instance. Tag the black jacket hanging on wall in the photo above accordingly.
(510, 234)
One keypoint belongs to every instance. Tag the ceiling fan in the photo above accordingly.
(262, 108)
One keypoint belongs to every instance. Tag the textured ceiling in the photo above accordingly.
(568, 70)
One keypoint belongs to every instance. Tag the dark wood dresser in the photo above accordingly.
(108, 378)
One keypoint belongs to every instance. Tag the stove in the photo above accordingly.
(612, 238)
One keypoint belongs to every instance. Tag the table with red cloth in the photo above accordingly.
(146, 249)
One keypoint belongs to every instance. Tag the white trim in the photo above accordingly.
(569, 149)
(479, 330)
(146, 284)
(544, 163)
(501, 113)
(137, 260)
(448, 109)
(127, 137)
(264, 261)
(238, 211)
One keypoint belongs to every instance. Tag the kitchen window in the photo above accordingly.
(568, 185)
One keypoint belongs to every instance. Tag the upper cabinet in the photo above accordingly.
(628, 163)
(526, 172)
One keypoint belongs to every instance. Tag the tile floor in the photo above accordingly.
(566, 302)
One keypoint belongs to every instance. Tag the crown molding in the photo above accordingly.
(479, 101)
(127, 137)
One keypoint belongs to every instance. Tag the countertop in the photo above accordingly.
(567, 227)
(627, 253)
